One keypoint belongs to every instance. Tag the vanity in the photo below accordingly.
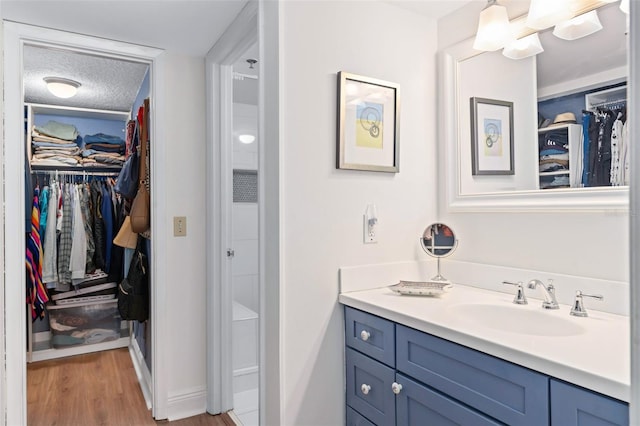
(450, 360)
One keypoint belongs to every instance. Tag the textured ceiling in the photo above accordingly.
(107, 83)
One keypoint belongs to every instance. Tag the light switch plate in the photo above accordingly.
(179, 226)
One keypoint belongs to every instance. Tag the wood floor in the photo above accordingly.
(93, 390)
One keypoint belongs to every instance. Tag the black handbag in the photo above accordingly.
(127, 182)
(133, 291)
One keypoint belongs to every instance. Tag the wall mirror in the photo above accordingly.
(565, 69)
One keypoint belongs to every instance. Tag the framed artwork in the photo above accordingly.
(491, 137)
(368, 136)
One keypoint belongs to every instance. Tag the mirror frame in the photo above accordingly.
(570, 199)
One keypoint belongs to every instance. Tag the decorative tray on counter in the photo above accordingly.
(421, 288)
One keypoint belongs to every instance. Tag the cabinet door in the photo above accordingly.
(575, 406)
(418, 405)
(507, 392)
(356, 419)
(369, 388)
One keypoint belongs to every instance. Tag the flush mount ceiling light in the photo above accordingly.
(524, 47)
(62, 87)
(494, 31)
(546, 13)
(578, 27)
(246, 139)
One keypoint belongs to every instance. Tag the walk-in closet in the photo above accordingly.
(87, 144)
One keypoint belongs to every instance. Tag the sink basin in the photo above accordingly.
(518, 319)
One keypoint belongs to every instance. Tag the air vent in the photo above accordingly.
(245, 186)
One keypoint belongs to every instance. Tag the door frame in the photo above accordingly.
(239, 36)
(14, 337)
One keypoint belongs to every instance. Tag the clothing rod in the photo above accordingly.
(73, 173)
(617, 101)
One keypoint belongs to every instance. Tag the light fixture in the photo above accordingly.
(524, 47)
(246, 139)
(494, 31)
(624, 6)
(578, 27)
(62, 87)
(546, 13)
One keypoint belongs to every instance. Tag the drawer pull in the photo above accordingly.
(396, 387)
(364, 335)
(365, 389)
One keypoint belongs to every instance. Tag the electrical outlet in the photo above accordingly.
(369, 231)
(179, 226)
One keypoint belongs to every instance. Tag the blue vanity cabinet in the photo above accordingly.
(575, 406)
(417, 379)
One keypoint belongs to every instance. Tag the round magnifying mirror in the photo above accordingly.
(438, 240)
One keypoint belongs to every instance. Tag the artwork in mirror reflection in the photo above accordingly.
(438, 240)
(570, 128)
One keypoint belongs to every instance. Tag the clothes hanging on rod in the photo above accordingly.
(72, 233)
(606, 149)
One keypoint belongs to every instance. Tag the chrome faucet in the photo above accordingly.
(548, 291)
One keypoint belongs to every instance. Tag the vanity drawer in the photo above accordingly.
(371, 335)
(356, 419)
(420, 405)
(505, 391)
(369, 388)
(575, 406)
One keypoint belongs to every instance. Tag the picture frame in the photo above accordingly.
(491, 137)
(368, 124)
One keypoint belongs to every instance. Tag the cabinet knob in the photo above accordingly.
(396, 387)
(364, 335)
(364, 388)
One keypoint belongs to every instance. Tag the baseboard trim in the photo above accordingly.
(143, 373)
(187, 404)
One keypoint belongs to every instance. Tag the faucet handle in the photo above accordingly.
(520, 298)
(578, 309)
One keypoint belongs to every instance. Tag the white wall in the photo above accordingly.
(184, 170)
(324, 207)
(593, 244)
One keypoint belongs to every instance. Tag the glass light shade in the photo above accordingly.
(624, 6)
(246, 139)
(61, 87)
(494, 30)
(524, 47)
(578, 27)
(546, 13)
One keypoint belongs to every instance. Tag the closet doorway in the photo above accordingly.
(131, 72)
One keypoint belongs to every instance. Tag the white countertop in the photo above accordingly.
(597, 359)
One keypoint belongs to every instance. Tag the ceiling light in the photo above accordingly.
(62, 87)
(246, 139)
(546, 13)
(494, 31)
(524, 47)
(624, 6)
(578, 27)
